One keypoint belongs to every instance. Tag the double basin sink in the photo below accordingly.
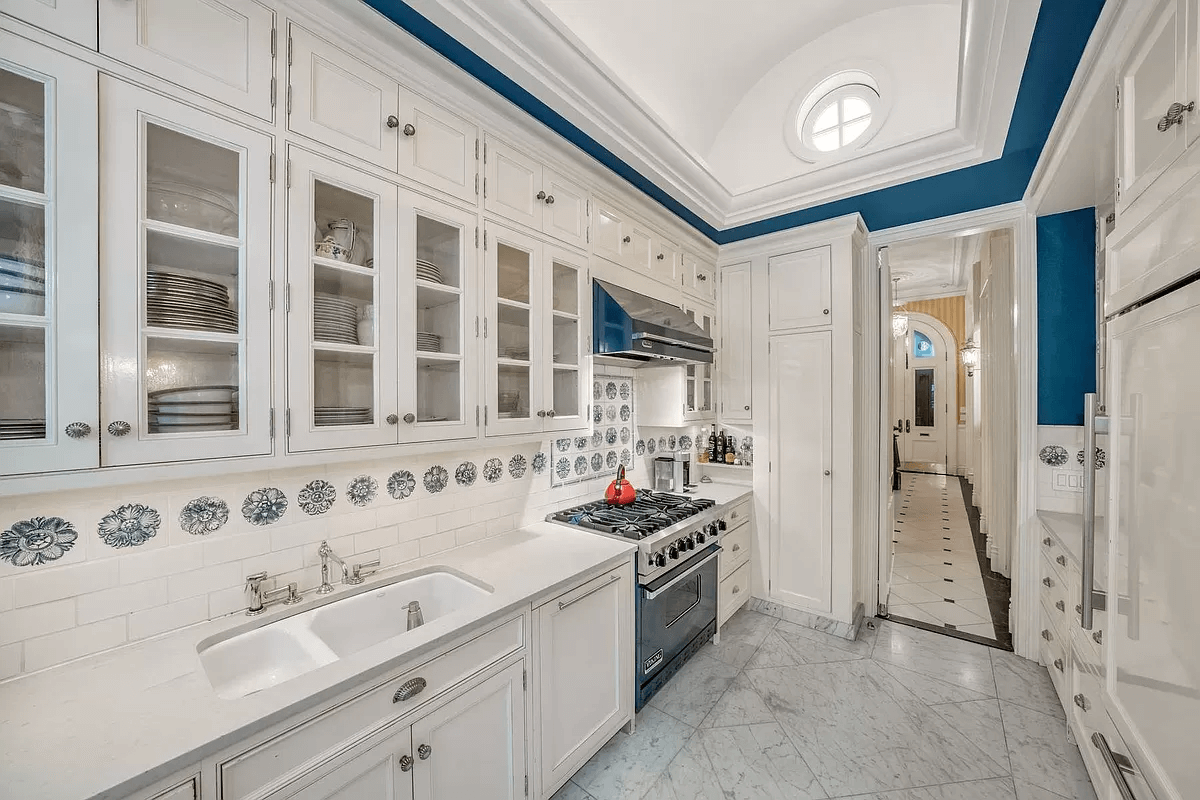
(253, 657)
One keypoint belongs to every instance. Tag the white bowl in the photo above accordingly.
(194, 394)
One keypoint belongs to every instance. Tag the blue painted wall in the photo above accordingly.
(1066, 296)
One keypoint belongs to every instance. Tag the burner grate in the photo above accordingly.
(649, 513)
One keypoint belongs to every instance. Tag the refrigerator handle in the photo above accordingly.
(1091, 599)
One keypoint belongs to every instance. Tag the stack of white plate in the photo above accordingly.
(22, 428)
(341, 415)
(184, 301)
(334, 319)
(22, 287)
(429, 342)
(193, 409)
(516, 353)
(428, 271)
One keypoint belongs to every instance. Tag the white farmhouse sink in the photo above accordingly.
(251, 658)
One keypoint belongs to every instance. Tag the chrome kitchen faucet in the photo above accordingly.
(351, 575)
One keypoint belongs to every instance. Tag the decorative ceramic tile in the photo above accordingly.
(1100, 457)
(671, 442)
(562, 467)
(597, 440)
(37, 541)
(626, 457)
(436, 478)
(610, 413)
(1054, 455)
(401, 484)
(640, 447)
(362, 490)
(516, 466)
(581, 442)
(662, 443)
(597, 462)
(465, 474)
(685, 442)
(538, 464)
(651, 446)
(625, 390)
(597, 414)
(204, 515)
(626, 413)
(625, 436)
(610, 390)
(264, 506)
(129, 525)
(597, 390)
(612, 403)
(611, 459)
(610, 436)
(493, 470)
(581, 465)
(563, 445)
(316, 497)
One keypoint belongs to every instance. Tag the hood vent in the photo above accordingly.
(637, 330)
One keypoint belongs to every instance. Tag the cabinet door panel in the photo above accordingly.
(340, 101)
(801, 291)
(513, 331)
(699, 278)
(736, 354)
(48, 243)
(474, 746)
(219, 48)
(185, 272)
(513, 183)
(375, 774)
(440, 151)
(699, 395)
(565, 216)
(568, 323)
(801, 447)
(637, 251)
(70, 19)
(609, 234)
(664, 263)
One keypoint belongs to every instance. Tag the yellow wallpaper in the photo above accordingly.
(951, 312)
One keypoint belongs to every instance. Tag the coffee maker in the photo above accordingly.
(673, 473)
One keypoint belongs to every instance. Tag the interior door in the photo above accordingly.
(889, 408)
(801, 448)
(512, 332)
(474, 746)
(926, 393)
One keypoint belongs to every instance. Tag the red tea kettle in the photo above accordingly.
(620, 492)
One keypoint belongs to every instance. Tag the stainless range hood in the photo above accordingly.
(635, 330)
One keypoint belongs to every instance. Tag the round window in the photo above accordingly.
(838, 119)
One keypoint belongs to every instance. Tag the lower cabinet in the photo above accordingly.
(734, 563)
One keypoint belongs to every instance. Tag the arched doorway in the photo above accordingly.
(924, 402)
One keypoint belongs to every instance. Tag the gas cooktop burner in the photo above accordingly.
(649, 513)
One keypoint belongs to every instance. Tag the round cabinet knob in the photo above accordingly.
(551, 413)
(119, 428)
(406, 763)
(1061, 606)
(410, 418)
(1048, 583)
(424, 751)
(826, 473)
(825, 312)
(1048, 542)
(736, 589)
(1049, 637)
(392, 419)
(540, 196)
(79, 430)
(626, 240)
(702, 277)
(541, 413)
(1058, 664)
(410, 129)
(1082, 702)
(1174, 115)
(660, 256)
(392, 121)
(673, 552)
(549, 199)
(1098, 637)
(746, 408)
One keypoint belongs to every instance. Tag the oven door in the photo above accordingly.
(673, 611)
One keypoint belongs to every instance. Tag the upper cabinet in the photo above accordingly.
(801, 289)
(437, 148)
(70, 19)
(736, 353)
(186, 281)
(520, 188)
(665, 261)
(627, 241)
(49, 403)
(223, 49)
(699, 278)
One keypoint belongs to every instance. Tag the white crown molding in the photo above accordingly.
(533, 48)
(781, 241)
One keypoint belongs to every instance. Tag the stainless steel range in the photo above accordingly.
(678, 542)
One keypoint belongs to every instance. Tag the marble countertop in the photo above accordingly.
(722, 493)
(1068, 530)
(113, 723)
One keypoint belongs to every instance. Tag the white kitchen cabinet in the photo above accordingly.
(534, 335)
(338, 100)
(736, 355)
(674, 395)
(186, 790)
(639, 251)
(342, 376)
(520, 188)
(699, 395)
(665, 261)
(474, 746)
(609, 238)
(49, 400)
(1153, 77)
(223, 49)
(801, 448)
(186, 281)
(70, 19)
(584, 678)
(437, 147)
(699, 278)
(801, 289)
(734, 562)
(382, 771)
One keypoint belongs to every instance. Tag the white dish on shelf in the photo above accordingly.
(191, 207)
(16, 302)
(195, 394)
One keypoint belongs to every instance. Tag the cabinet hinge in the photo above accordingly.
(1118, 97)
(477, 326)
(485, 179)
(288, 174)
(1111, 218)
(272, 423)
(271, 294)
(527, 786)
(477, 236)
(588, 234)
(485, 152)
(476, 416)
(477, 183)
(485, 327)
(287, 422)
(476, 148)
(289, 100)
(272, 168)
(485, 416)
(525, 682)
(287, 298)
(289, 50)
(485, 229)
(1118, 188)
(272, 92)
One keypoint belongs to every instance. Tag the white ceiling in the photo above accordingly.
(936, 266)
(696, 94)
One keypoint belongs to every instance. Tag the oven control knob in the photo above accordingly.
(721, 524)
(659, 559)
(699, 537)
(689, 543)
(673, 551)
(713, 530)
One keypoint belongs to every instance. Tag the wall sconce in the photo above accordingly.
(970, 356)
(899, 325)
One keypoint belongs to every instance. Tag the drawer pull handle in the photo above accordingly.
(406, 763)
(1048, 583)
(734, 515)
(1097, 637)
(1174, 115)
(1061, 606)
(1048, 542)
(1047, 635)
(409, 689)
(1078, 608)
(589, 593)
(1117, 765)
(735, 548)
(424, 751)
(1058, 664)
(736, 589)
(1062, 561)
(1082, 702)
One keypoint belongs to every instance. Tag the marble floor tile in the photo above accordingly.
(911, 593)
(1041, 754)
(740, 705)
(931, 690)
(956, 590)
(689, 776)
(978, 606)
(788, 645)
(952, 613)
(571, 791)
(914, 574)
(947, 659)
(987, 630)
(741, 635)
(695, 689)
(627, 766)
(1026, 683)
(979, 721)
(1027, 791)
(998, 789)
(908, 611)
(860, 731)
(758, 762)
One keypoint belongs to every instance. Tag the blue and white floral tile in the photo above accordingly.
(265, 506)
(37, 541)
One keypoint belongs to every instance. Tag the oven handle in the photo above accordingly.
(681, 577)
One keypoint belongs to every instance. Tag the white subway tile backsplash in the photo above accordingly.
(355, 521)
(56, 584)
(6, 594)
(236, 548)
(470, 533)
(10, 660)
(274, 563)
(136, 568)
(416, 529)
(376, 539)
(202, 581)
(120, 600)
(227, 601)
(437, 543)
(400, 553)
(46, 651)
(453, 520)
(25, 623)
(153, 621)
(285, 537)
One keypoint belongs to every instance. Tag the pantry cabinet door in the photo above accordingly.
(438, 320)
(49, 398)
(736, 354)
(437, 148)
(699, 395)
(565, 216)
(474, 746)
(512, 332)
(223, 49)
(339, 101)
(801, 289)
(342, 312)
(565, 346)
(70, 19)
(185, 265)
(513, 187)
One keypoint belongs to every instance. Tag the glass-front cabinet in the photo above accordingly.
(698, 378)
(49, 402)
(534, 333)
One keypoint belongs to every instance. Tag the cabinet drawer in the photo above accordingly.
(243, 774)
(738, 513)
(735, 548)
(1054, 597)
(1054, 655)
(732, 593)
